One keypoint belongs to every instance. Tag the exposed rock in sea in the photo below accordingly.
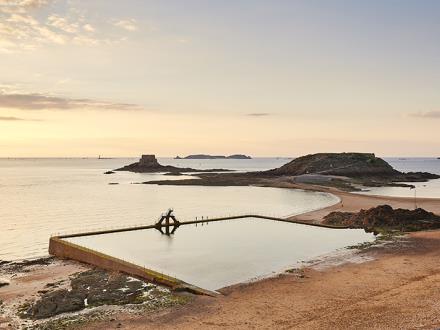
(109, 172)
(384, 217)
(149, 164)
(364, 166)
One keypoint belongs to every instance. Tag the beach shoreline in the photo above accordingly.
(399, 284)
(25, 286)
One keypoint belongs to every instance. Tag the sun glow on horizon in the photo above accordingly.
(88, 78)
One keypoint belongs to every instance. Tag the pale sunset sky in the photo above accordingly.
(265, 78)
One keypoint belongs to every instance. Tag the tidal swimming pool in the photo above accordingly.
(219, 254)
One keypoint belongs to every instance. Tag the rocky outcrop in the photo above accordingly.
(384, 217)
(340, 164)
(365, 167)
(149, 164)
(90, 289)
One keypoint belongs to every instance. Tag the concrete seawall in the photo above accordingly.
(64, 249)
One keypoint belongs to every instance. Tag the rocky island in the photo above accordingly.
(203, 156)
(149, 164)
(363, 168)
(347, 171)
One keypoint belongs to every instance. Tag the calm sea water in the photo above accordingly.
(40, 197)
(430, 189)
(224, 253)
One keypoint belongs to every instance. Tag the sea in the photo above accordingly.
(40, 197)
(430, 189)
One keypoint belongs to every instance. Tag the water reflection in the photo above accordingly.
(225, 252)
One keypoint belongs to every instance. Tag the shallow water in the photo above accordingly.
(223, 253)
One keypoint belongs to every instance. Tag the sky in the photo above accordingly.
(265, 78)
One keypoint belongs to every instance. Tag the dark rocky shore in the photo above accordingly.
(385, 218)
(53, 302)
(94, 288)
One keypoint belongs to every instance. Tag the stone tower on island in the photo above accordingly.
(148, 161)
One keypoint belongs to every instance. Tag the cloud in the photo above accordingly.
(258, 114)
(3, 118)
(17, 4)
(48, 102)
(32, 3)
(426, 114)
(31, 24)
(11, 118)
(21, 29)
(88, 28)
(62, 24)
(127, 24)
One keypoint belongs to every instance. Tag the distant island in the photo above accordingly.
(202, 156)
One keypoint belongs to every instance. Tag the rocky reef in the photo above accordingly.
(149, 164)
(385, 218)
